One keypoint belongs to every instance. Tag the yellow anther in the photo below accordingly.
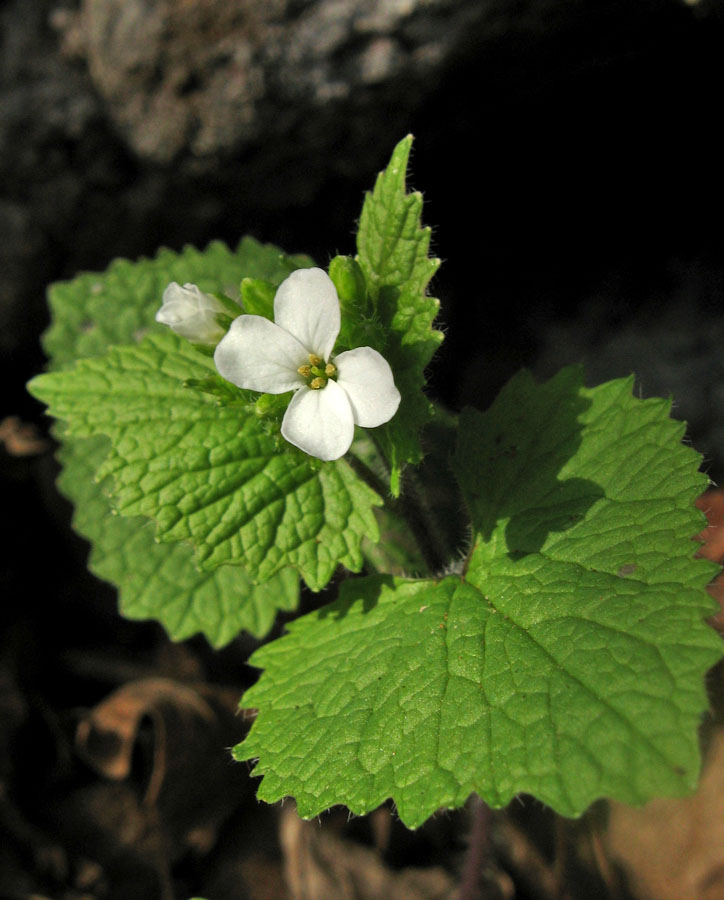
(314, 359)
(317, 383)
(305, 371)
(330, 369)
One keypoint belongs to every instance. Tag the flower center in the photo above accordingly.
(317, 373)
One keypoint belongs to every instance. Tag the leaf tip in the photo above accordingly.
(35, 387)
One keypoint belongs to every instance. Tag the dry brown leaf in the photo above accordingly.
(521, 856)
(187, 781)
(107, 736)
(21, 438)
(711, 503)
(673, 849)
(319, 865)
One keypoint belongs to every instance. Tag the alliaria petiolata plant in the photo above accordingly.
(269, 420)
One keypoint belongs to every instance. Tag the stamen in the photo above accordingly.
(330, 369)
(305, 371)
(316, 383)
(314, 359)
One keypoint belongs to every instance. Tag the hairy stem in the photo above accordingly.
(422, 523)
(411, 507)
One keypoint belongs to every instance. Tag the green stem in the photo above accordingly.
(422, 522)
(368, 476)
(411, 507)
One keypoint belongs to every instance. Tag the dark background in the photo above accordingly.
(570, 158)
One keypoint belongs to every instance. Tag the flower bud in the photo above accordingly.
(191, 313)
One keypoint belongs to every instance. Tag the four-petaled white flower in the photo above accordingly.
(293, 353)
(191, 313)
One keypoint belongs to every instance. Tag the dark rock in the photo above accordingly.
(205, 79)
(46, 111)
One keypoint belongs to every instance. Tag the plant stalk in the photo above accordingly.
(477, 851)
(411, 507)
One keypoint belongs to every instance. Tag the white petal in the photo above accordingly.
(366, 377)
(307, 306)
(320, 422)
(258, 355)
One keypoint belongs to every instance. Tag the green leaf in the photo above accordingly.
(392, 251)
(360, 326)
(268, 263)
(161, 582)
(566, 662)
(210, 474)
(349, 280)
(96, 310)
(257, 297)
(91, 313)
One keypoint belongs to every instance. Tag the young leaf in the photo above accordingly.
(157, 581)
(568, 662)
(96, 310)
(210, 474)
(392, 251)
(257, 297)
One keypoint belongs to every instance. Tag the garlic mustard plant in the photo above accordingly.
(294, 353)
(533, 619)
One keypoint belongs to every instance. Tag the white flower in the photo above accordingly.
(191, 313)
(332, 394)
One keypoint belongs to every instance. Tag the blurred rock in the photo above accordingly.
(46, 111)
(203, 79)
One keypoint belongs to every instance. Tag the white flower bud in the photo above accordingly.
(191, 313)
